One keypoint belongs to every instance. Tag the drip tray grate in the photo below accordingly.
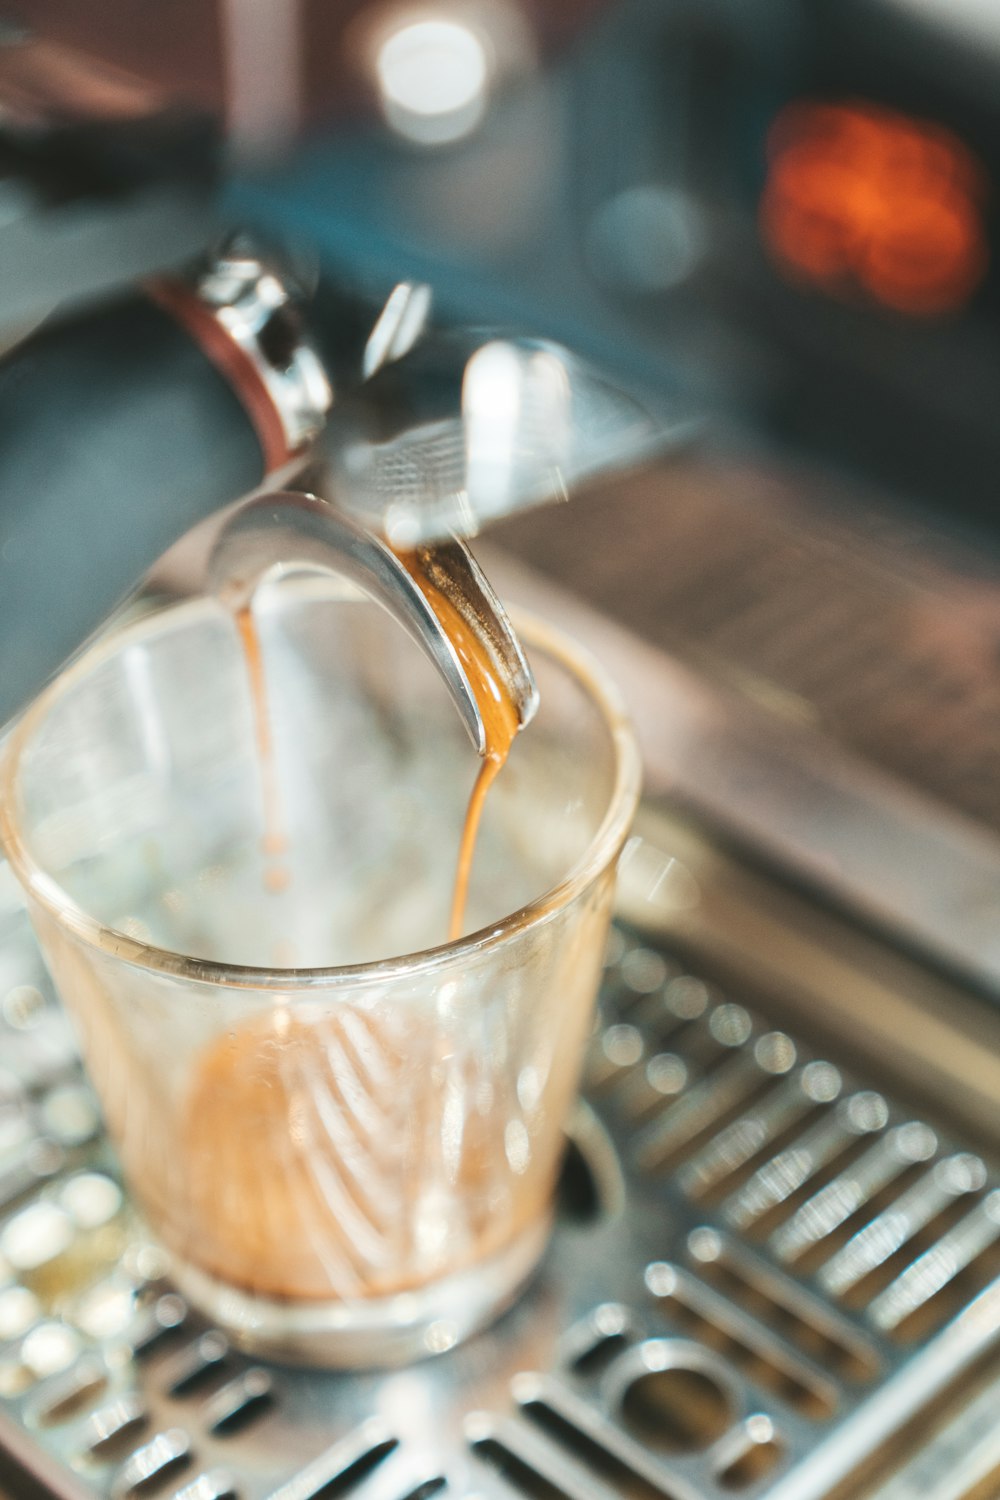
(762, 1268)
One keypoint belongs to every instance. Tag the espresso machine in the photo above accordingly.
(250, 247)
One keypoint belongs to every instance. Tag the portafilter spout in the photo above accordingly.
(287, 532)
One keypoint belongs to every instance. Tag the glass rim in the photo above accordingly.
(601, 851)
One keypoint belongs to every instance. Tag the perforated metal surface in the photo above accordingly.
(762, 1267)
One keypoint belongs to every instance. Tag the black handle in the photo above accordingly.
(116, 436)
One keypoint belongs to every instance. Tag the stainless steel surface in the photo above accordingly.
(958, 1460)
(470, 429)
(451, 572)
(671, 1345)
(248, 300)
(399, 326)
(834, 801)
(285, 532)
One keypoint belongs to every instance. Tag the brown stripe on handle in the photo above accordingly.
(232, 362)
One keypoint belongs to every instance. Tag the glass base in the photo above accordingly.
(371, 1331)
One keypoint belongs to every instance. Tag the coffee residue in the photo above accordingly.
(274, 842)
(314, 1164)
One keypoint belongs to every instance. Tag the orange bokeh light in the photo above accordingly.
(862, 200)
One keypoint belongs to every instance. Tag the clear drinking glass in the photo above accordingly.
(344, 1130)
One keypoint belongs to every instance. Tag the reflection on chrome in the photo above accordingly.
(517, 413)
(528, 420)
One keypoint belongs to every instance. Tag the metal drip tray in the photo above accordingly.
(812, 669)
(763, 1268)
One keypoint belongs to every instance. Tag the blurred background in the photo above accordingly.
(780, 210)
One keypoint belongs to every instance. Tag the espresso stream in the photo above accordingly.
(309, 1145)
(496, 707)
(500, 722)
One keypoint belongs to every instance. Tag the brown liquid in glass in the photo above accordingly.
(291, 1125)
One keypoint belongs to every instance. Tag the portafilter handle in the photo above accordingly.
(120, 429)
(124, 428)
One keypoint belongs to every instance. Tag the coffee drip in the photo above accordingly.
(490, 689)
(496, 706)
(274, 840)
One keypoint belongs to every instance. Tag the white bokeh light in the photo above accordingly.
(978, 21)
(433, 76)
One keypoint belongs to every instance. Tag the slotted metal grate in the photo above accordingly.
(762, 1267)
(808, 598)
